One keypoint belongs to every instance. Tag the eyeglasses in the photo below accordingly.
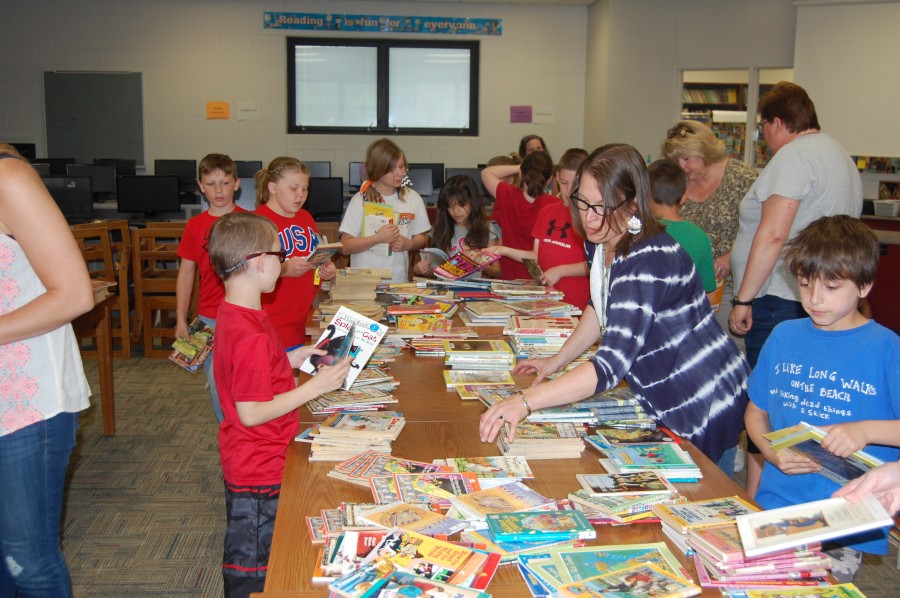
(599, 209)
(281, 257)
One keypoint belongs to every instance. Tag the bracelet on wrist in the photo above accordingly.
(525, 402)
(736, 301)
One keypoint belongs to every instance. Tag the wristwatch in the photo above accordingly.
(736, 301)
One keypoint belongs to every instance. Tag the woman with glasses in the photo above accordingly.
(516, 208)
(281, 190)
(650, 312)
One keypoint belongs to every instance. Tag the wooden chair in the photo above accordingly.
(95, 249)
(155, 270)
(120, 245)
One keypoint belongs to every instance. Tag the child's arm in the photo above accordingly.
(513, 254)
(184, 288)
(757, 422)
(845, 439)
(492, 176)
(353, 245)
(296, 267)
(552, 275)
(328, 378)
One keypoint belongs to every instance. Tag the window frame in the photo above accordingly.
(383, 47)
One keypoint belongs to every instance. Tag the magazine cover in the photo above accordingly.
(347, 331)
(466, 262)
(778, 529)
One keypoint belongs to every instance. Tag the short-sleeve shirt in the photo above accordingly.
(251, 365)
(410, 216)
(194, 246)
(692, 238)
(516, 216)
(559, 244)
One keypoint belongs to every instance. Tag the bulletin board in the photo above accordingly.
(94, 115)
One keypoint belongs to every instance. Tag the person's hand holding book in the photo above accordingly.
(883, 482)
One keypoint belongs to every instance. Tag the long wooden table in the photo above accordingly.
(440, 425)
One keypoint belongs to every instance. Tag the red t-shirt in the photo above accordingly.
(251, 365)
(194, 246)
(516, 219)
(559, 244)
(289, 304)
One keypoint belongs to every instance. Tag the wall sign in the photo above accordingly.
(311, 21)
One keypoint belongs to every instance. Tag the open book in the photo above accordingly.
(348, 333)
(465, 263)
(806, 440)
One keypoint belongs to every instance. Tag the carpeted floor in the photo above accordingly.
(145, 510)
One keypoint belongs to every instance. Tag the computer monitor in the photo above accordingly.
(475, 173)
(185, 170)
(319, 169)
(124, 166)
(247, 169)
(244, 197)
(103, 177)
(147, 195)
(421, 181)
(57, 165)
(73, 195)
(42, 169)
(437, 172)
(357, 175)
(26, 150)
(326, 198)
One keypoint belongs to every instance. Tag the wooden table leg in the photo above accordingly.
(105, 367)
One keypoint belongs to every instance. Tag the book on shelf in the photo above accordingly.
(193, 351)
(644, 579)
(414, 518)
(349, 331)
(612, 484)
(806, 440)
(786, 527)
(324, 252)
(529, 526)
(453, 378)
(376, 215)
(698, 514)
(467, 262)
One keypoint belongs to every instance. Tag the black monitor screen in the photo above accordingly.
(148, 194)
(124, 166)
(247, 169)
(475, 173)
(319, 169)
(326, 198)
(357, 174)
(103, 177)
(26, 150)
(421, 181)
(437, 172)
(185, 170)
(73, 195)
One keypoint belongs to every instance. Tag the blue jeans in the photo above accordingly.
(768, 312)
(33, 464)
(726, 461)
(210, 377)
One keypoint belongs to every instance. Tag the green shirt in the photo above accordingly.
(696, 243)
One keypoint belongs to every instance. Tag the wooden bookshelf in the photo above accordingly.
(713, 96)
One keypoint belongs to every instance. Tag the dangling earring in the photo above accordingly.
(634, 225)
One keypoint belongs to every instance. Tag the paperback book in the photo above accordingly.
(376, 215)
(616, 484)
(539, 526)
(703, 513)
(453, 378)
(644, 579)
(578, 563)
(435, 488)
(491, 471)
(507, 498)
(324, 252)
(465, 263)
(381, 579)
(351, 334)
(413, 518)
(191, 353)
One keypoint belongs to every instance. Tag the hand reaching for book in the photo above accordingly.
(509, 411)
(791, 463)
(543, 367)
(301, 354)
(883, 482)
(845, 439)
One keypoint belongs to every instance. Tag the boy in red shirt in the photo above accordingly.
(258, 393)
(218, 182)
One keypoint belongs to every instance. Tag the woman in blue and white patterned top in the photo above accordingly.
(648, 305)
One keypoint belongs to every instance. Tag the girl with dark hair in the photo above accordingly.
(516, 208)
(461, 215)
(648, 305)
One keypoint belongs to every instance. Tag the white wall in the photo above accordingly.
(194, 51)
(637, 47)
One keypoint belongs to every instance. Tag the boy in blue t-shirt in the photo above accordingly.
(835, 370)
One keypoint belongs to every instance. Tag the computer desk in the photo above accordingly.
(440, 425)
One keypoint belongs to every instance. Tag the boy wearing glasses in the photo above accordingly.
(258, 394)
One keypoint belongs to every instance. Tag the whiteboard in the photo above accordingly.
(94, 115)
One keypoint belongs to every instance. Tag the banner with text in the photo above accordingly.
(381, 23)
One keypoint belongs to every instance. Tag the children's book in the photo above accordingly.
(606, 436)
(509, 551)
(347, 551)
(643, 482)
(533, 269)
(191, 353)
(577, 563)
(347, 332)
(779, 529)
(642, 456)
(453, 378)
(723, 545)
(376, 215)
(842, 590)
(465, 263)
(413, 518)
(351, 515)
(316, 528)
(638, 581)
(424, 323)
(471, 392)
(806, 440)
(435, 488)
(507, 498)
(703, 513)
(323, 253)
(489, 469)
(380, 579)
(530, 526)
(707, 581)
(561, 327)
(436, 559)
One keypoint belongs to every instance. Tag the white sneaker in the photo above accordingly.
(740, 458)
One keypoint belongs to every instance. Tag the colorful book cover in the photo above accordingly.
(706, 581)
(376, 215)
(507, 498)
(424, 323)
(348, 550)
(636, 581)
(380, 579)
(704, 513)
(807, 442)
(611, 484)
(454, 378)
(539, 525)
(366, 334)
(502, 467)
(434, 487)
(609, 436)
(414, 518)
(470, 392)
(575, 564)
(465, 263)
(660, 455)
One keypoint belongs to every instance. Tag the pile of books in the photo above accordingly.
(478, 354)
(365, 398)
(485, 313)
(622, 498)
(491, 471)
(611, 570)
(543, 440)
(358, 284)
(541, 308)
(327, 309)
(616, 406)
(539, 337)
(665, 458)
(360, 468)
(344, 435)
(516, 291)
(491, 378)
(191, 353)
(432, 344)
(421, 314)
(678, 520)
(421, 287)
